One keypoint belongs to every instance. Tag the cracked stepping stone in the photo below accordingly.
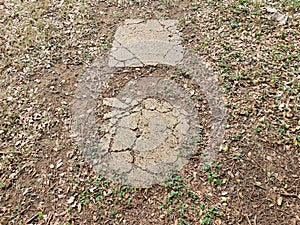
(152, 42)
(150, 135)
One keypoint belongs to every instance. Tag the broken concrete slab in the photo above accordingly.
(152, 42)
(151, 133)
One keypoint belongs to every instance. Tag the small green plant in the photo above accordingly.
(272, 176)
(236, 157)
(210, 215)
(181, 22)
(212, 175)
(199, 97)
(2, 184)
(104, 47)
(237, 137)
(113, 213)
(40, 214)
(181, 201)
(118, 14)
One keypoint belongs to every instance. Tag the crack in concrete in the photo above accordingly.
(161, 34)
(142, 121)
(124, 61)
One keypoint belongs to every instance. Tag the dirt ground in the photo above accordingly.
(255, 179)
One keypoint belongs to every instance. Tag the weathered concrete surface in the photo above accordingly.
(151, 127)
(139, 43)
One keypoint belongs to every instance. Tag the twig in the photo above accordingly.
(255, 219)
(289, 195)
(32, 218)
(50, 217)
(24, 210)
(248, 220)
(256, 185)
(258, 165)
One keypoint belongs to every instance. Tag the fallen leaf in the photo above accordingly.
(79, 207)
(71, 200)
(4, 221)
(280, 18)
(279, 201)
(270, 9)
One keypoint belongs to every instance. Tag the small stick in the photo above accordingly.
(50, 218)
(248, 220)
(24, 210)
(32, 218)
(289, 195)
(256, 185)
(255, 220)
